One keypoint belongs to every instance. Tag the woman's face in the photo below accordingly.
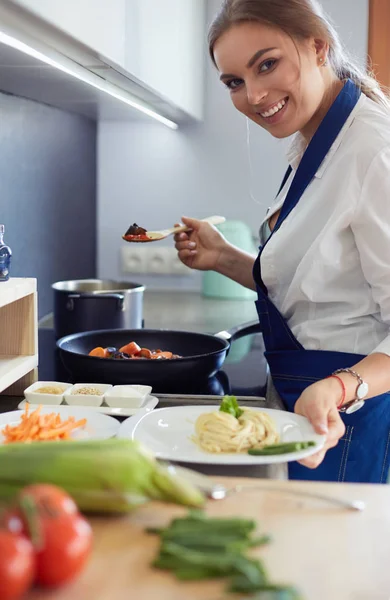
(269, 82)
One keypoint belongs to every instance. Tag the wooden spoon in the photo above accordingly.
(155, 236)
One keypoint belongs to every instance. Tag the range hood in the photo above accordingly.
(39, 62)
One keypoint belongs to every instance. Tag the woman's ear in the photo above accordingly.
(321, 49)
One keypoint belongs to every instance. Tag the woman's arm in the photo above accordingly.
(237, 265)
(319, 402)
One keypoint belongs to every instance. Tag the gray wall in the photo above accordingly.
(47, 193)
(152, 175)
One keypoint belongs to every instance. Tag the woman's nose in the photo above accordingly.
(255, 94)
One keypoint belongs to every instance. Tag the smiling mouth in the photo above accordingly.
(274, 110)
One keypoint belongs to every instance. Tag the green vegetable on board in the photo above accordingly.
(197, 547)
(114, 475)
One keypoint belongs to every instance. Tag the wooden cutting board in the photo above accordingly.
(328, 553)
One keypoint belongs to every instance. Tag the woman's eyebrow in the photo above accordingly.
(251, 62)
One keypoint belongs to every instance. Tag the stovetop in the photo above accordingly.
(243, 373)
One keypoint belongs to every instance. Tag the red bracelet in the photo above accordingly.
(344, 390)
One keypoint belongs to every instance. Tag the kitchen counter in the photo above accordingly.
(328, 553)
(190, 311)
(193, 312)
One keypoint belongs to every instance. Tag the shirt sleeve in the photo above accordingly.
(371, 228)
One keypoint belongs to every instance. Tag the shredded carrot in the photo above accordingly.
(34, 427)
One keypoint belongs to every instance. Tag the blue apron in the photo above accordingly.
(363, 454)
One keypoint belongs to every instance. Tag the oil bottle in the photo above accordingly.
(5, 257)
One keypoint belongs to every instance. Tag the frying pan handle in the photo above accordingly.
(72, 298)
(239, 331)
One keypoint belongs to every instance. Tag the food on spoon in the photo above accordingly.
(104, 476)
(135, 229)
(132, 351)
(34, 427)
(234, 429)
(135, 232)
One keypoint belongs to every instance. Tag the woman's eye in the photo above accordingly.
(267, 65)
(233, 84)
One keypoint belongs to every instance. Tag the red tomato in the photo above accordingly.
(46, 499)
(67, 543)
(49, 499)
(17, 565)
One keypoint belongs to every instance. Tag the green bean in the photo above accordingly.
(285, 448)
(267, 591)
(196, 548)
(271, 592)
(197, 574)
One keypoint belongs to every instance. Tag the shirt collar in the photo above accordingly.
(298, 145)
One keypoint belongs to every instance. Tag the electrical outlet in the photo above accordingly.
(133, 259)
(158, 260)
(177, 267)
(152, 259)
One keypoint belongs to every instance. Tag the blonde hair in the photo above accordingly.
(300, 19)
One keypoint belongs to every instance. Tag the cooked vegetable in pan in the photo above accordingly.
(132, 351)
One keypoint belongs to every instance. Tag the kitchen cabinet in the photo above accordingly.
(99, 24)
(165, 44)
(157, 45)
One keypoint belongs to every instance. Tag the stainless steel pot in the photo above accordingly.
(90, 304)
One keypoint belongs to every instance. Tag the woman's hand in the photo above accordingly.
(319, 404)
(202, 247)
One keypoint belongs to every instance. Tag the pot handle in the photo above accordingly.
(239, 331)
(72, 298)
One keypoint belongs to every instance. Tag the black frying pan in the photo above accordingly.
(203, 355)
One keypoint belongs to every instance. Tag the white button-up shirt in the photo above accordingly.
(327, 269)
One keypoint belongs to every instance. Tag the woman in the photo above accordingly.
(323, 271)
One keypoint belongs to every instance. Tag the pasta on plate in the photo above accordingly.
(219, 431)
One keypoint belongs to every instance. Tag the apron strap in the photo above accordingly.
(277, 334)
(319, 147)
(286, 176)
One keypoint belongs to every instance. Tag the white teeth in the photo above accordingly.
(274, 110)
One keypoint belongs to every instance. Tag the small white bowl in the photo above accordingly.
(34, 396)
(127, 396)
(76, 399)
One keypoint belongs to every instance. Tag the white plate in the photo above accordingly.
(167, 432)
(149, 405)
(98, 427)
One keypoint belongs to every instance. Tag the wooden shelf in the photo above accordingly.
(19, 334)
(13, 368)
